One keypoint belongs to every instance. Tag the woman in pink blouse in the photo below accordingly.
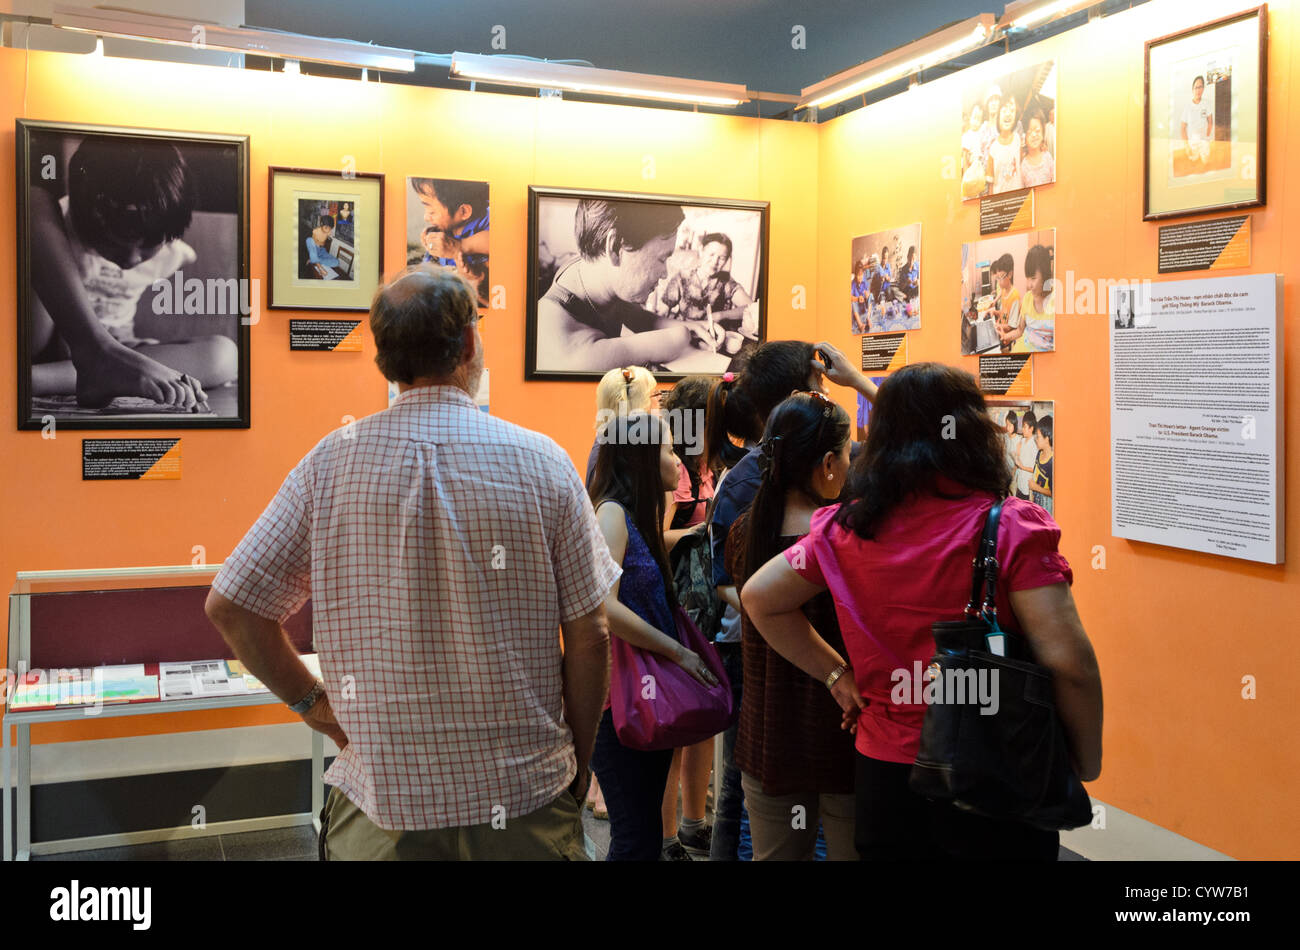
(896, 556)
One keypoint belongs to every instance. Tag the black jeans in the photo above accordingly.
(633, 784)
(894, 823)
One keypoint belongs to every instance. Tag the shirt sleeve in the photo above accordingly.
(1033, 539)
(269, 572)
(682, 493)
(584, 570)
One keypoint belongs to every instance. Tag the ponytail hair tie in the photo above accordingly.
(728, 377)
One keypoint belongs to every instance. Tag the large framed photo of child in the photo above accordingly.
(325, 239)
(1205, 118)
(674, 284)
(1008, 131)
(134, 299)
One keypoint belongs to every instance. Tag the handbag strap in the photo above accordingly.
(984, 568)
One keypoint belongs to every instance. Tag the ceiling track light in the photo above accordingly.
(176, 31)
(1032, 14)
(539, 74)
(932, 50)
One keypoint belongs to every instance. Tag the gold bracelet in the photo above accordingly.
(836, 674)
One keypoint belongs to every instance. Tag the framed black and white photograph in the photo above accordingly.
(1205, 117)
(134, 297)
(325, 239)
(448, 224)
(677, 285)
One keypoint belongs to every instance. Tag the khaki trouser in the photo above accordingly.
(552, 833)
(773, 820)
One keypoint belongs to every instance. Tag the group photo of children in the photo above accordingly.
(885, 289)
(1008, 138)
(1027, 435)
(1008, 294)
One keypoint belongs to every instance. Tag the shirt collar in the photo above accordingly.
(434, 395)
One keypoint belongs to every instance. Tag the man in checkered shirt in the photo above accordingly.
(443, 551)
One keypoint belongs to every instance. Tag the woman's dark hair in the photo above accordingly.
(689, 397)
(633, 223)
(627, 472)
(740, 408)
(799, 433)
(929, 420)
(729, 412)
(1012, 418)
(130, 190)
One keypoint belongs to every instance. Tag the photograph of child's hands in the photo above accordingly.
(117, 370)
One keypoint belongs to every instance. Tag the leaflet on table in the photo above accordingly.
(199, 678)
(84, 686)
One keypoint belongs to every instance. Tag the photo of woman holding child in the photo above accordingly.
(132, 278)
(634, 280)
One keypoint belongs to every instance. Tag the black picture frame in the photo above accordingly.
(698, 213)
(1260, 177)
(214, 175)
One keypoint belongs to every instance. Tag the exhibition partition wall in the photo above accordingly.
(1175, 631)
(1182, 638)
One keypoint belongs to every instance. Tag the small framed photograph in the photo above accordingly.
(325, 240)
(677, 285)
(1205, 121)
(134, 297)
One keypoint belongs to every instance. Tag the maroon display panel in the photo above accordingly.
(109, 627)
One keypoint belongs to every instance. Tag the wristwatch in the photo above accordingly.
(836, 674)
(308, 701)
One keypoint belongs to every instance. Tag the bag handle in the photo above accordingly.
(984, 569)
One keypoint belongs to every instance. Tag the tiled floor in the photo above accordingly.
(277, 844)
(287, 844)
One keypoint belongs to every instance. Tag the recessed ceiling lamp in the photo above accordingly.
(938, 47)
(512, 71)
(233, 39)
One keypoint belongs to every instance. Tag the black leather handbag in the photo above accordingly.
(992, 741)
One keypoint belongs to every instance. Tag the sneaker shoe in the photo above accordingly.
(697, 844)
(674, 852)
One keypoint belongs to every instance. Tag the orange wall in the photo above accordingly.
(1175, 631)
(54, 520)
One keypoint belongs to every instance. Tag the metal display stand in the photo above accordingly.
(21, 722)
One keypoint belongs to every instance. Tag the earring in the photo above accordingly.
(830, 477)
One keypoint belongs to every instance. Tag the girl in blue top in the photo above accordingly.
(635, 466)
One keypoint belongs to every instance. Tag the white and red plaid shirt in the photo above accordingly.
(441, 549)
